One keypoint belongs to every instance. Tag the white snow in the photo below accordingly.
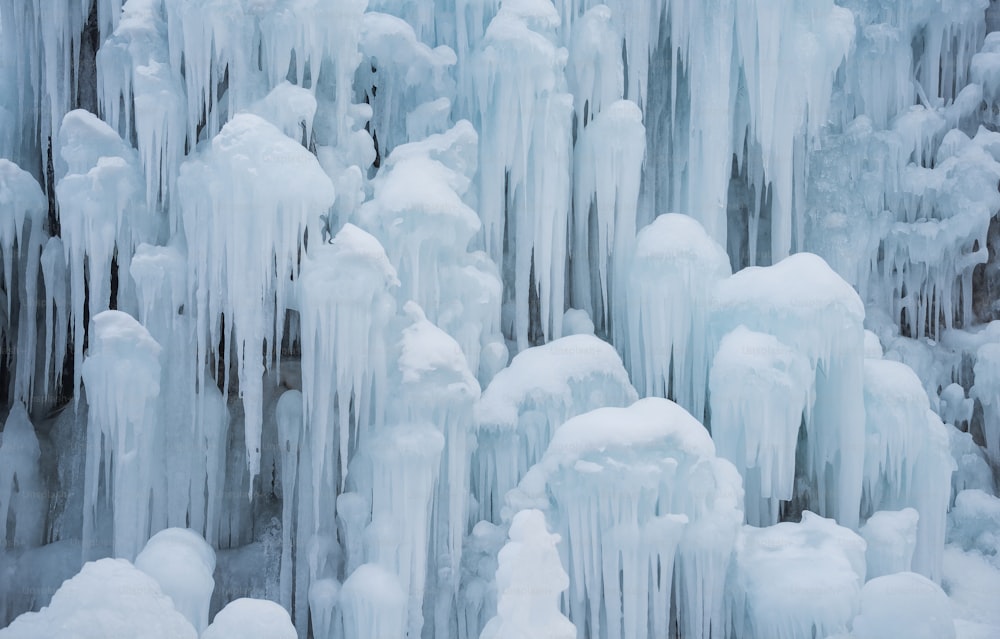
(252, 619)
(905, 605)
(108, 598)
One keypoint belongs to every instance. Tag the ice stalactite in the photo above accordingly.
(420, 214)
(140, 91)
(23, 500)
(193, 452)
(437, 387)
(760, 391)
(987, 391)
(527, 403)
(248, 199)
(45, 39)
(400, 466)
(530, 579)
(122, 379)
(373, 604)
(609, 157)
(907, 459)
(103, 218)
(642, 503)
(525, 158)
(808, 307)
(891, 536)
(182, 562)
(21, 239)
(789, 59)
(56, 310)
(797, 579)
(344, 302)
(673, 271)
(400, 74)
(288, 415)
(595, 72)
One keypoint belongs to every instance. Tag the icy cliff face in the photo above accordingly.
(332, 318)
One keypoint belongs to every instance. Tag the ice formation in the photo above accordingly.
(761, 391)
(807, 306)
(328, 314)
(642, 503)
(797, 580)
(904, 604)
(122, 379)
(674, 270)
(530, 579)
(182, 563)
(528, 402)
(907, 463)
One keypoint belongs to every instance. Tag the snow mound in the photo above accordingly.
(251, 619)
(904, 605)
(182, 562)
(107, 598)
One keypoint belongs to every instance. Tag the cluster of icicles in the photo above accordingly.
(352, 228)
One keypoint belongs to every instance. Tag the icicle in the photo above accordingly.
(907, 459)
(23, 500)
(608, 167)
(373, 604)
(527, 402)
(670, 280)
(102, 215)
(987, 391)
(21, 240)
(808, 307)
(122, 376)
(401, 73)
(629, 490)
(760, 390)
(139, 89)
(526, 138)
(247, 200)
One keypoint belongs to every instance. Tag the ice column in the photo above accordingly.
(437, 387)
(102, 215)
(182, 562)
(525, 150)
(22, 488)
(631, 491)
(987, 391)
(528, 401)
(530, 579)
(373, 604)
(760, 391)
(608, 167)
(808, 307)
(401, 465)
(21, 240)
(122, 378)
(139, 90)
(247, 200)
(908, 462)
(673, 272)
